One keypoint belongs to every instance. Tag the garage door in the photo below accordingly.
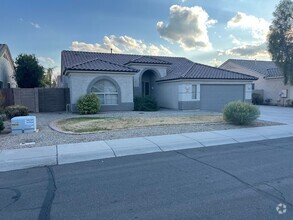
(215, 97)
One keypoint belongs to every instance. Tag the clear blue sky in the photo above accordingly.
(205, 31)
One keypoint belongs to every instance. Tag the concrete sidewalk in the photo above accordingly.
(71, 153)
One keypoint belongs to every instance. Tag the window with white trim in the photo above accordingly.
(106, 91)
(194, 91)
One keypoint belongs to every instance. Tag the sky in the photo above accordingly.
(204, 31)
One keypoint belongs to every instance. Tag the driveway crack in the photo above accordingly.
(263, 193)
(50, 195)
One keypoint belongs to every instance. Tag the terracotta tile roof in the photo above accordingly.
(274, 72)
(177, 67)
(266, 68)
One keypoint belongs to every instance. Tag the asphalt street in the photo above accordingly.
(237, 181)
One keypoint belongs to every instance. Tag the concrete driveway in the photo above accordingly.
(276, 114)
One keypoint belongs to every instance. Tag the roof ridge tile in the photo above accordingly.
(93, 52)
(185, 73)
(148, 57)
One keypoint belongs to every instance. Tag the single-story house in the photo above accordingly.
(270, 81)
(175, 82)
(7, 70)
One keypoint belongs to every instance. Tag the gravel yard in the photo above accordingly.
(46, 136)
(94, 124)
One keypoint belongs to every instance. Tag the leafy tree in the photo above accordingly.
(281, 39)
(29, 73)
(49, 80)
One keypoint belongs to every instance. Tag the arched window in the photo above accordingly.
(106, 91)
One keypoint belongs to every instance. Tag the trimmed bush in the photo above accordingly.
(1, 125)
(16, 110)
(88, 104)
(257, 99)
(146, 103)
(240, 113)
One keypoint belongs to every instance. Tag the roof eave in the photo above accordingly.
(180, 78)
(273, 77)
(67, 70)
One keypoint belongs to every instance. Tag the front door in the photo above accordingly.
(145, 88)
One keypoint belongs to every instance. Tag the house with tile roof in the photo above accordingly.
(174, 82)
(270, 81)
(7, 70)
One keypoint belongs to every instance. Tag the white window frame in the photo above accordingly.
(107, 93)
(194, 92)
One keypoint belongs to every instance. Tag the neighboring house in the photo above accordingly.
(175, 82)
(6, 68)
(270, 79)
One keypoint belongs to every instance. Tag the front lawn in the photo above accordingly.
(93, 124)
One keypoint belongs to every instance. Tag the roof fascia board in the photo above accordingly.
(67, 72)
(208, 81)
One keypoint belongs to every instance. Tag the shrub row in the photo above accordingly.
(90, 104)
(12, 111)
(16, 110)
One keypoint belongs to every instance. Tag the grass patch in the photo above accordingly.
(93, 124)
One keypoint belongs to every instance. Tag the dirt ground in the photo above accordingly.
(86, 124)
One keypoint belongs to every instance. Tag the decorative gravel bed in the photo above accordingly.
(46, 136)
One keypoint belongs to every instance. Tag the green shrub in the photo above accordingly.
(257, 99)
(16, 110)
(88, 104)
(146, 103)
(1, 125)
(240, 113)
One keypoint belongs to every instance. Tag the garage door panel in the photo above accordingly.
(215, 97)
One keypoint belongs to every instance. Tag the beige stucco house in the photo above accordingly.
(174, 82)
(270, 81)
(7, 70)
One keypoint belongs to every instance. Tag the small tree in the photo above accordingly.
(280, 39)
(29, 73)
(49, 80)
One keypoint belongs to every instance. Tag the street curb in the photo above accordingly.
(79, 152)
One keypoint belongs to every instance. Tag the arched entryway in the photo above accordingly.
(148, 83)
